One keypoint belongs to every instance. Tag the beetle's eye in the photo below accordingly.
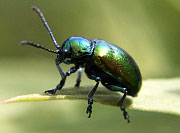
(64, 54)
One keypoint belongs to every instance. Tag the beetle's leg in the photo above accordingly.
(57, 62)
(78, 80)
(62, 82)
(120, 103)
(72, 70)
(58, 87)
(90, 95)
(125, 114)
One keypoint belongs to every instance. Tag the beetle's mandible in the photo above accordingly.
(103, 62)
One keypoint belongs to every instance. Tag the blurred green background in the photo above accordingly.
(148, 30)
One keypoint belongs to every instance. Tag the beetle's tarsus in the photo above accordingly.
(89, 108)
(89, 111)
(53, 91)
(125, 114)
(58, 87)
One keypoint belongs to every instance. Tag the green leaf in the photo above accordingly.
(160, 95)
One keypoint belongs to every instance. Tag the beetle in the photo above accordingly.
(103, 62)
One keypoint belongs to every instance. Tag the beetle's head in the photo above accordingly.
(75, 50)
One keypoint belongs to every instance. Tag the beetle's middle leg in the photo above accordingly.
(90, 95)
(121, 101)
(78, 80)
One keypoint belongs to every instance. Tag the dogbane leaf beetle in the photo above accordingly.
(103, 62)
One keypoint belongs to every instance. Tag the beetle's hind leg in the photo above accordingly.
(125, 114)
(121, 101)
(78, 80)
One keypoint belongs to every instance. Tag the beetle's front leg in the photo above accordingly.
(62, 82)
(58, 87)
(90, 95)
(57, 62)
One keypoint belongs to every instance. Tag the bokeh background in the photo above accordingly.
(147, 30)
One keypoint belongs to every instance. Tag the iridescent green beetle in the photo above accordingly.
(103, 62)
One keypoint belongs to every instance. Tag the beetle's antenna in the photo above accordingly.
(46, 25)
(38, 46)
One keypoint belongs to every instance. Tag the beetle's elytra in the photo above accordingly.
(103, 62)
